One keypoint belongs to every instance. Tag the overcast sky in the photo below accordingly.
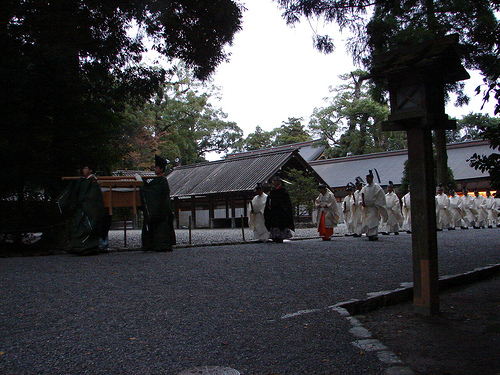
(274, 72)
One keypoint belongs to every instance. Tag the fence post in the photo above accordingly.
(189, 226)
(125, 232)
(243, 228)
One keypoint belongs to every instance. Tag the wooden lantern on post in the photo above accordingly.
(416, 79)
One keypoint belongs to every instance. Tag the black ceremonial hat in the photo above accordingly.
(160, 162)
(259, 186)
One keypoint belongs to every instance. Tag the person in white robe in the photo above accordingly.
(469, 217)
(393, 206)
(256, 220)
(374, 210)
(347, 203)
(491, 209)
(443, 216)
(406, 211)
(497, 199)
(327, 212)
(456, 210)
(479, 205)
(357, 208)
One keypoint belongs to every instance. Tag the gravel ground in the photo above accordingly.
(261, 308)
(207, 236)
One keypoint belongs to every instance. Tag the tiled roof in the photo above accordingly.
(390, 165)
(234, 174)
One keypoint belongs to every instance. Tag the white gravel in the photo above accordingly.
(205, 236)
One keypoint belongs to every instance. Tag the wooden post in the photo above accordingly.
(176, 211)
(110, 210)
(211, 211)
(134, 207)
(416, 77)
(125, 232)
(193, 210)
(441, 158)
(423, 218)
(243, 227)
(189, 226)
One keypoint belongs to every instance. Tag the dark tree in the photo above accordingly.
(403, 23)
(491, 163)
(292, 131)
(69, 68)
(469, 127)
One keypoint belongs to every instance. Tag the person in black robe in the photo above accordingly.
(158, 227)
(83, 199)
(278, 214)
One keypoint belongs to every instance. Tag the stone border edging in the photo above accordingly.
(405, 294)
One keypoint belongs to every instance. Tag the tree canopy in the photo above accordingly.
(351, 124)
(291, 131)
(179, 124)
(469, 127)
(70, 67)
(257, 140)
(392, 24)
(303, 190)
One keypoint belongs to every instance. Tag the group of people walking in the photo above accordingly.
(366, 208)
(452, 211)
(271, 216)
(466, 211)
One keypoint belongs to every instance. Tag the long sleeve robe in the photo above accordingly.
(347, 203)
(374, 208)
(394, 217)
(256, 220)
(83, 199)
(406, 211)
(479, 206)
(357, 211)
(278, 214)
(470, 213)
(158, 230)
(331, 210)
(456, 211)
(443, 216)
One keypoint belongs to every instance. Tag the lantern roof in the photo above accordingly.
(437, 59)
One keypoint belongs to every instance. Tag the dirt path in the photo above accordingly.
(463, 340)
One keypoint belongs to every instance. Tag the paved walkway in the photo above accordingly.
(257, 308)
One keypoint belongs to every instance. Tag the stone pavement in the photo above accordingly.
(257, 308)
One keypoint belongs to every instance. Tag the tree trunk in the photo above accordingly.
(441, 157)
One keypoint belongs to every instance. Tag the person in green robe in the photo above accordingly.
(83, 199)
(158, 227)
